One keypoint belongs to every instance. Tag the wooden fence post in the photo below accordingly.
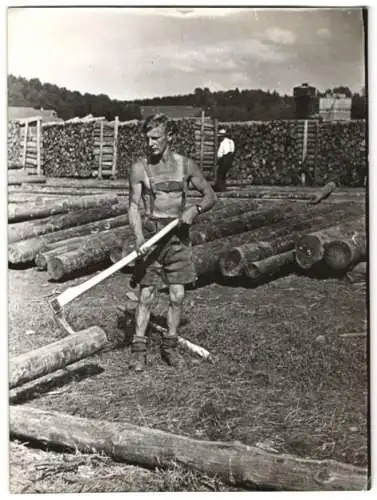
(215, 144)
(26, 132)
(316, 152)
(100, 161)
(115, 148)
(305, 141)
(39, 136)
(202, 139)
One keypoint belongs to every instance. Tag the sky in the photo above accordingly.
(135, 53)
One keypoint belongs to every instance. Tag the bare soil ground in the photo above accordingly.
(284, 378)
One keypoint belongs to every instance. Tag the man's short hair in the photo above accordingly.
(157, 120)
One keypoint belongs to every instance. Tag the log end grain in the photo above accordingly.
(309, 250)
(339, 255)
(232, 263)
(55, 268)
(41, 261)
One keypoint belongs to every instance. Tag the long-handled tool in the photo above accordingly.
(72, 293)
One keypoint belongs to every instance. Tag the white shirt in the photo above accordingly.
(226, 146)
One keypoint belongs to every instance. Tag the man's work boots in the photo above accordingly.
(169, 352)
(138, 354)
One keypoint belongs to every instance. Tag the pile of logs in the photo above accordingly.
(243, 238)
(57, 225)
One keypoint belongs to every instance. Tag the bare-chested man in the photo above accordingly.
(161, 181)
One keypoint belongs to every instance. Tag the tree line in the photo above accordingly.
(229, 105)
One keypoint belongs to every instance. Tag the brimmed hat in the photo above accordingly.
(222, 131)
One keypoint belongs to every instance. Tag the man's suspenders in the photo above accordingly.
(185, 183)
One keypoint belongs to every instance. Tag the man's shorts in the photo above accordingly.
(170, 261)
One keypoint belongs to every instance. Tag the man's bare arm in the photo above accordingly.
(199, 182)
(135, 182)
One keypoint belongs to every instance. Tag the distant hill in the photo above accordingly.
(230, 105)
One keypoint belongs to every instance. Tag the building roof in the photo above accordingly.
(171, 111)
(22, 112)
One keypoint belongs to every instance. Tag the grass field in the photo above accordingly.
(284, 379)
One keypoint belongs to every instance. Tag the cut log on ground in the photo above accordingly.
(95, 183)
(235, 463)
(50, 190)
(236, 261)
(52, 207)
(206, 256)
(25, 179)
(32, 179)
(60, 248)
(294, 194)
(343, 253)
(219, 213)
(59, 354)
(283, 237)
(25, 230)
(202, 233)
(271, 266)
(71, 373)
(358, 273)
(310, 248)
(324, 192)
(27, 250)
(95, 250)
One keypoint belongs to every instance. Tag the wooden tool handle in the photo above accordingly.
(74, 292)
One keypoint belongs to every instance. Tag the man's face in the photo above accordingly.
(157, 139)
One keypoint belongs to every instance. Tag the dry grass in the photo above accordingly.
(40, 471)
(284, 377)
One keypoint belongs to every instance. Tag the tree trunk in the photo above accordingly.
(32, 179)
(95, 250)
(202, 233)
(324, 192)
(51, 190)
(39, 362)
(234, 463)
(343, 253)
(25, 230)
(52, 207)
(358, 273)
(94, 183)
(27, 250)
(283, 237)
(236, 260)
(270, 266)
(293, 194)
(219, 213)
(310, 248)
(206, 256)
(75, 372)
(59, 248)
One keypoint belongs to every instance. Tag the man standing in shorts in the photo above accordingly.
(161, 182)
